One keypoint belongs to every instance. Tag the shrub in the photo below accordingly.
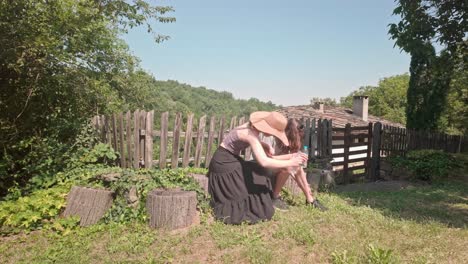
(427, 164)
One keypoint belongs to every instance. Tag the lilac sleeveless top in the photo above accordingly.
(233, 143)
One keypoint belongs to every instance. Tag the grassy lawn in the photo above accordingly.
(420, 225)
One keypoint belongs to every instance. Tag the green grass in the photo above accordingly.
(420, 225)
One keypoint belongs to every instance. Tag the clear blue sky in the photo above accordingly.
(281, 51)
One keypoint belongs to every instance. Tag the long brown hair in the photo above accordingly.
(295, 132)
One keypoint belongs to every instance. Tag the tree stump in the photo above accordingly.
(202, 180)
(87, 203)
(292, 186)
(171, 209)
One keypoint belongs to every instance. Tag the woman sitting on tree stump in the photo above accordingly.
(240, 190)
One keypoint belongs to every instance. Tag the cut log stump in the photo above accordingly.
(87, 203)
(202, 180)
(171, 209)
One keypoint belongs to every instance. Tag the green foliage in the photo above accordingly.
(61, 62)
(34, 211)
(326, 101)
(424, 24)
(144, 181)
(427, 165)
(380, 256)
(386, 100)
(375, 255)
(174, 97)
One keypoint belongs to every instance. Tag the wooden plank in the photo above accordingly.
(209, 151)
(142, 138)
(356, 160)
(114, 133)
(233, 123)
(337, 155)
(176, 141)
(123, 164)
(340, 146)
(357, 144)
(369, 148)
(339, 129)
(329, 137)
(136, 139)
(360, 136)
(129, 137)
(319, 137)
(313, 138)
(347, 142)
(306, 139)
(241, 121)
(359, 128)
(222, 122)
(338, 137)
(188, 141)
(324, 138)
(149, 140)
(356, 152)
(200, 139)
(339, 163)
(163, 140)
(360, 167)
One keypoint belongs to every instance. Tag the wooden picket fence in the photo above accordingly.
(181, 141)
(398, 141)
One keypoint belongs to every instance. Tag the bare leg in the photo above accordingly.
(281, 179)
(301, 181)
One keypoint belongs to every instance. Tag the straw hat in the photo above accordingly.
(272, 123)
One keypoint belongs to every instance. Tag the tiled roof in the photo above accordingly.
(340, 116)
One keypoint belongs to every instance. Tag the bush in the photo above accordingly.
(427, 165)
(32, 212)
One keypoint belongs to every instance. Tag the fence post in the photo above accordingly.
(376, 140)
(347, 143)
(175, 145)
(149, 140)
(188, 141)
(163, 140)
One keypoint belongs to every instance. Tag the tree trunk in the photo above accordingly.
(202, 180)
(171, 209)
(89, 204)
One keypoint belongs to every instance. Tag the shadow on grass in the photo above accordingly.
(445, 202)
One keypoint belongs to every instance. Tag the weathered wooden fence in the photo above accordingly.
(181, 141)
(398, 141)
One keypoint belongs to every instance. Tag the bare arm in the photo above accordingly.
(262, 157)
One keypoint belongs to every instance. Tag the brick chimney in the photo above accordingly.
(361, 106)
(319, 106)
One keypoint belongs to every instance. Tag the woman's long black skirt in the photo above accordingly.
(239, 189)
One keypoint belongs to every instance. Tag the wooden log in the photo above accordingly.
(202, 180)
(163, 140)
(188, 141)
(87, 203)
(171, 209)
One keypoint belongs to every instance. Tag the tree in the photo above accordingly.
(423, 24)
(62, 61)
(326, 101)
(386, 100)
